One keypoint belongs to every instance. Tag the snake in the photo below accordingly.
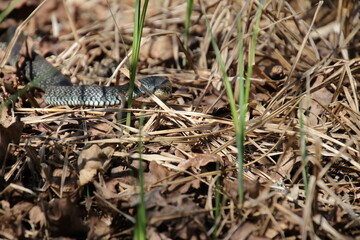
(59, 90)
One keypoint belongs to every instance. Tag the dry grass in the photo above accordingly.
(64, 164)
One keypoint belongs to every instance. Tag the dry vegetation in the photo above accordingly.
(73, 172)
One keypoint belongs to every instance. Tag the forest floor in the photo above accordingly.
(73, 172)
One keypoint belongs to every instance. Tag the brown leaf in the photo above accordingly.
(153, 234)
(65, 219)
(103, 191)
(208, 100)
(154, 199)
(89, 162)
(252, 188)
(21, 208)
(100, 129)
(199, 160)
(70, 183)
(37, 216)
(156, 174)
(172, 211)
(322, 96)
(243, 231)
(98, 229)
(158, 49)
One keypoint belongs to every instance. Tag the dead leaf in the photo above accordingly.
(155, 198)
(199, 160)
(70, 183)
(103, 191)
(98, 229)
(100, 129)
(208, 101)
(89, 162)
(21, 208)
(322, 96)
(156, 174)
(157, 49)
(252, 188)
(153, 234)
(172, 212)
(64, 218)
(244, 231)
(37, 216)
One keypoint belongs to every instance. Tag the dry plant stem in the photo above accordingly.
(17, 34)
(260, 121)
(307, 213)
(111, 206)
(71, 21)
(63, 175)
(20, 189)
(117, 34)
(355, 101)
(288, 81)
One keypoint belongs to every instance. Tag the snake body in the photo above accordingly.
(60, 91)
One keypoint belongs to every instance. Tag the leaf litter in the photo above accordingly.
(73, 172)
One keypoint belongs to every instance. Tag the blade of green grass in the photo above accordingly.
(140, 225)
(139, 20)
(243, 110)
(239, 124)
(227, 83)
(252, 48)
(218, 198)
(232, 104)
(303, 150)
(232, 107)
(244, 92)
(189, 8)
(8, 10)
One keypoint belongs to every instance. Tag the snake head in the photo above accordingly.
(159, 86)
(164, 89)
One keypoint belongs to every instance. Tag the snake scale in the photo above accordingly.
(60, 91)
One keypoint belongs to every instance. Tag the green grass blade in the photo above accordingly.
(189, 8)
(8, 10)
(244, 92)
(218, 198)
(139, 20)
(227, 83)
(303, 151)
(252, 48)
(243, 110)
(140, 225)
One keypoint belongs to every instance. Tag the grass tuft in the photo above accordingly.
(139, 20)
